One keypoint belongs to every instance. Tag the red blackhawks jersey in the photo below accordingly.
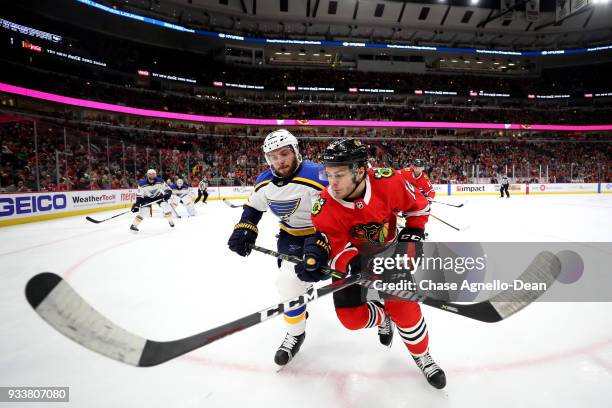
(421, 182)
(350, 226)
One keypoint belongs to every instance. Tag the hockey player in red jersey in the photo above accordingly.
(417, 177)
(356, 212)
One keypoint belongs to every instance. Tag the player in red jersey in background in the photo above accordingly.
(417, 177)
(354, 215)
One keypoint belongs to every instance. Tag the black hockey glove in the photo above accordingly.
(136, 206)
(244, 235)
(411, 234)
(316, 256)
(413, 244)
(167, 195)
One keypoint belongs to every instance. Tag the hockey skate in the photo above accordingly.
(433, 373)
(134, 228)
(386, 330)
(290, 347)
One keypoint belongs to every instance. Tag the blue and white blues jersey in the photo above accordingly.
(181, 191)
(290, 199)
(151, 189)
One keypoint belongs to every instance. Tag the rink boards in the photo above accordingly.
(19, 208)
(524, 189)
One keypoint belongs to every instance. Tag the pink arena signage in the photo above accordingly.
(83, 103)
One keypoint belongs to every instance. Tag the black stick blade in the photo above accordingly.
(92, 220)
(39, 287)
(58, 304)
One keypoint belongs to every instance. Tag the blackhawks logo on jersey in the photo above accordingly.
(383, 173)
(372, 232)
(317, 206)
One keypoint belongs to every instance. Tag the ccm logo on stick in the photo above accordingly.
(31, 204)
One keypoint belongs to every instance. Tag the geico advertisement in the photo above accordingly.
(31, 204)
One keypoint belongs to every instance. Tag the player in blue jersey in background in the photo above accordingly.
(151, 189)
(181, 194)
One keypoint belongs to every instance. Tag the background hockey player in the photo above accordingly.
(353, 215)
(288, 189)
(182, 195)
(202, 192)
(505, 184)
(151, 189)
(417, 177)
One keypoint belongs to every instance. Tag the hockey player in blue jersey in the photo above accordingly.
(288, 188)
(151, 189)
(182, 195)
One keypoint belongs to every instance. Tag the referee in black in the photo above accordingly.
(505, 183)
(202, 192)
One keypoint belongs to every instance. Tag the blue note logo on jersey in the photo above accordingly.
(284, 209)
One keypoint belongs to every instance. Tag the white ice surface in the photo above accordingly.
(167, 283)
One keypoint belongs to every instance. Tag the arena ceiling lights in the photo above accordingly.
(477, 65)
(305, 42)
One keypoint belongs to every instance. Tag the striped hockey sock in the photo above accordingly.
(376, 314)
(415, 337)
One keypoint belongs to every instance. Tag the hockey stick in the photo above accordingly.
(226, 201)
(543, 269)
(295, 259)
(450, 225)
(176, 214)
(88, 218)
(452, 205)
(60, 305)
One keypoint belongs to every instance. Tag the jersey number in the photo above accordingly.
(410, 189)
